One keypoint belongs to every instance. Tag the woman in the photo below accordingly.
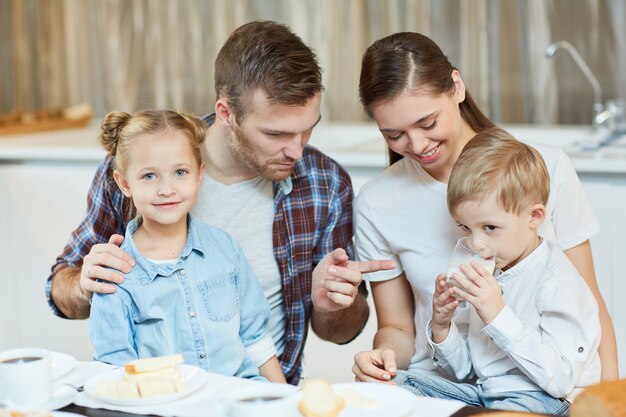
(419, 101)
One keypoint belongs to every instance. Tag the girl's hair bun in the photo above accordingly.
(111, 126)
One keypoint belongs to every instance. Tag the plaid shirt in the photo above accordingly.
(313, 216)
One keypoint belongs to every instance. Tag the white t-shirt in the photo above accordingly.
(546, 337)
(246, 211)
(402, 214)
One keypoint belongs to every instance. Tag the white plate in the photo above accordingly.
(192, 376)
(393, 401)
(66, 414)
(62, 364)
(62, 395)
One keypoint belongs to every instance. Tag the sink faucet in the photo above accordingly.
(599, 114)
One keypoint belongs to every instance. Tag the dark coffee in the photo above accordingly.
(21, 360)
(259, 399)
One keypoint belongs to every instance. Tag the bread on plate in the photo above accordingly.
(146, 377)
(319, 400)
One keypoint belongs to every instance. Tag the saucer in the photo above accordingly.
(62, 364)
(62, 395)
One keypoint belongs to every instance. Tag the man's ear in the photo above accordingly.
(459, 86)
(122, 183)
(537, 216)
(224, 113)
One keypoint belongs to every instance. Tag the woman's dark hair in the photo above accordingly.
(409, 61)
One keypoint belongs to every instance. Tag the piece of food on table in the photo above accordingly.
(127, 389)
(319, 400)
(168, 373)
(153, 364)
(606, 399)
(147, 377)
(106, 388)
(355, 399)
(154, 387)
(5, 412)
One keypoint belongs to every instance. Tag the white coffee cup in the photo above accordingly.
(25, 378)
(262, 400)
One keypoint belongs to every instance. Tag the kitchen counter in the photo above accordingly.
(70, 145)
(358, 145)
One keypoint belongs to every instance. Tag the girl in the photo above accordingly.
(191, 290)
(419, 101)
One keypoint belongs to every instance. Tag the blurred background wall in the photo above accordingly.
(131, 54)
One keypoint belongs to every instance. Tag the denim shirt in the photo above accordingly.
(208, 305)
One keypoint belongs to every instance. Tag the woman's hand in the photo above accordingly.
(378, 365)
(444, 306)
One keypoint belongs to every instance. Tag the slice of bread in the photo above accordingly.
(319, 400)
(5, 412)
(167, 373)
(153, 364)
(154, 387)
(149, 377)
(355, 399)
(148, 387)
(126, 390)
(106, 388)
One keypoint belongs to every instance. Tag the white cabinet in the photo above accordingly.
(607, 193)
(41, 204)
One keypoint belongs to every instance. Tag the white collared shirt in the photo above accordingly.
(546, 336)
(402, 215)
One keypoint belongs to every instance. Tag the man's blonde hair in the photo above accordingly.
(493, 160)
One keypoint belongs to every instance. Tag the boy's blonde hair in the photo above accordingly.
(493, 160)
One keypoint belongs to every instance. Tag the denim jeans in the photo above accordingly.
(428, 385)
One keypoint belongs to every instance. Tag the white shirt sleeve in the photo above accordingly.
(370, 243)
(569, 209)
(554, 356)
(261, 351)
(452, 355)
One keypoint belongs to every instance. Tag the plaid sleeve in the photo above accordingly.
(104, 217)
(338, 230)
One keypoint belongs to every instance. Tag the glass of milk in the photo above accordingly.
(469, 249)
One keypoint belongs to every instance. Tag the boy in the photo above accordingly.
(531, 335)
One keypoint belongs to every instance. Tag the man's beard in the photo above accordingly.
(243, 150)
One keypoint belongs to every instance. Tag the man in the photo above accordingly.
(288, 205)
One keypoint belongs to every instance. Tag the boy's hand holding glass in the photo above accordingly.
(468, 249)
(471, 273)
(444, 306)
